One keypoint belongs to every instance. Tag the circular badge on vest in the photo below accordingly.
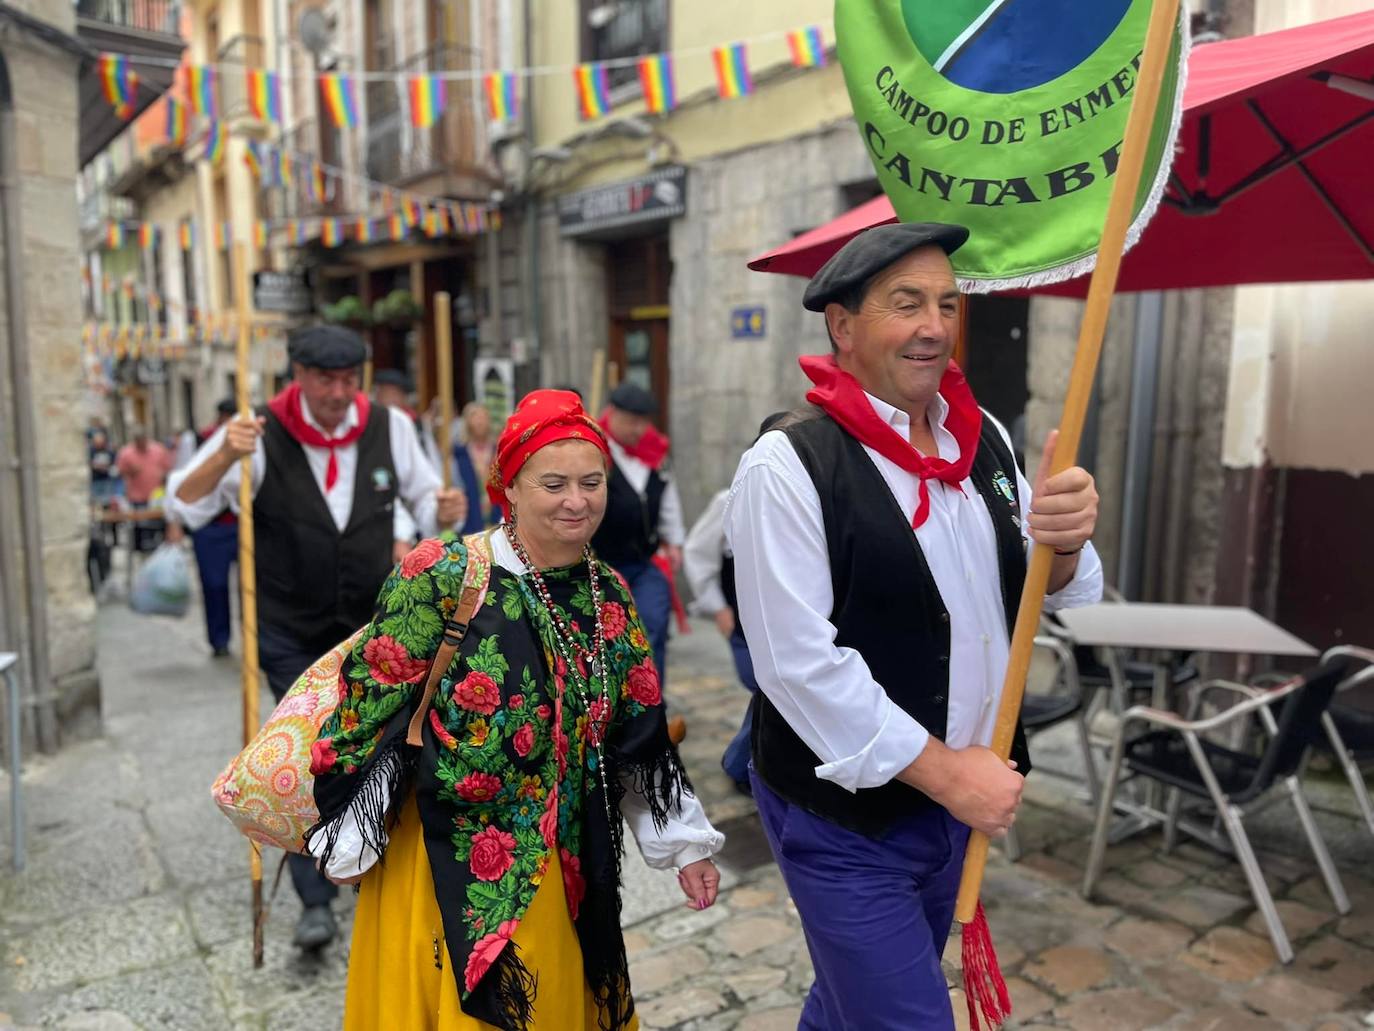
(381, 479)
(980, 44)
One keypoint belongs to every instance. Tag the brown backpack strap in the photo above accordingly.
(455, 629)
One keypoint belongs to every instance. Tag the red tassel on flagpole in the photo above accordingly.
(984, 987)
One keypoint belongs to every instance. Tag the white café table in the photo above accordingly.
(1166, 629)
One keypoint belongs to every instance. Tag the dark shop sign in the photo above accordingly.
(660, 195)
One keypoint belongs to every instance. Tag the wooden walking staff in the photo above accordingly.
(983, 982)
(248, 583)
(443, 371)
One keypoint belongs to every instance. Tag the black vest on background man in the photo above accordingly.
(629, 530)
(887, 608)
(314, 582)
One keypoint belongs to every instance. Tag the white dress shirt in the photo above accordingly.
(827, 694)
(670, 526)
(703, 556)
(416, 480)
(686, 837)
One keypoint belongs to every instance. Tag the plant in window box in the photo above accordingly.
(348, 311)
(398, 308)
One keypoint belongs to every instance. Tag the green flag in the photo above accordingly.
(1006, 116)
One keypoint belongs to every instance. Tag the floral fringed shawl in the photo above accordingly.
(507, 771)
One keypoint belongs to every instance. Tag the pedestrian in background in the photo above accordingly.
(472, 458)
(327, 469)
(143, 465)
(216, 546)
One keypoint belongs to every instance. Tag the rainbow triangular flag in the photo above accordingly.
(317, 190)
(114, 236)
(177, 122)
(223, 233)
(656, 76)
(201, 88)
(340, 99)
(363, 231)
(410, 208)
(503, 103)
(593, 89)
(260, 233)
(807, 47)
(283, 168)
(331, 232)
(147, 235)
(428, 94)
(119, 83)
(396, 225)
(252, 157)
(264, 94)
(214, 143)
(732, 71)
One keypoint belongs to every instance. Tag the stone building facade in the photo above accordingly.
(40, 327)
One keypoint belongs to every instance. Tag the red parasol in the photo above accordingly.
(1272, 182)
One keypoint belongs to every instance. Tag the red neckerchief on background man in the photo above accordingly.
(844, 400)
(287, 407)
(652, 448)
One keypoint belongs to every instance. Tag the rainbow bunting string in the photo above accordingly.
(593, 90)
(252, 157)
(114, 236)
(732, 71)
(808, 49)
(200, 87)
(340, 97)
(259, 233)
(503, 104)
(264, 94)
(147, 235)
(410, 208)
(428, 94)
(331, 232)
(656, 76)
(214, 143)
(119, 83)
(396, 225)
(177, 122)
(283, 168)
(317, 183)
(363, 230)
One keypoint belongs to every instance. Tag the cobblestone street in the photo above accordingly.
(133, 911)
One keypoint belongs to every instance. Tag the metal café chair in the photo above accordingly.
(1236, 783)
(8, 660)
(1349, 728)
(1042, 710)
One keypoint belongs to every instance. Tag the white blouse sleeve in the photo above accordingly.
(686, 838)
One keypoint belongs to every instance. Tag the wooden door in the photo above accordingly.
(639, 351)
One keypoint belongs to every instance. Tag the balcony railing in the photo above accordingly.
(162, 16)
(235, 58)
(399, 153)
(296, 201)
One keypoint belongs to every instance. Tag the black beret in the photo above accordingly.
(391, 378)
(226, 407)
(870, 252)
(327, 347)
(632, 398)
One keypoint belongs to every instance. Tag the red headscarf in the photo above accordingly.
(843, 399)
(286, 406)
(543, 417)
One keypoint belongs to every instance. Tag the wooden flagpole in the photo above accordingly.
(443, 371)
(247, 567)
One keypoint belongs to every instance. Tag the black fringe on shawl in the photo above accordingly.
(510, 989)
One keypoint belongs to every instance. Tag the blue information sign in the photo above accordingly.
(748, 323)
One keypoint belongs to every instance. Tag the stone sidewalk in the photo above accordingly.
(133, 912)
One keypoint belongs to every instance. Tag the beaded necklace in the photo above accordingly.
(571, 652)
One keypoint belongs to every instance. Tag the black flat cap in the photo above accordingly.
(632, 398)
(326, 347)
(873, 250)
(391, 378)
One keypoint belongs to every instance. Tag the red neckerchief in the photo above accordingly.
(652, 448)
(286, 406)
(844, 400)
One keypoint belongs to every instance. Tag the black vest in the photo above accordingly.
(629, 530)
(887, 608)
(317, 583)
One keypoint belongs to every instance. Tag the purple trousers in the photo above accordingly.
(876, 914)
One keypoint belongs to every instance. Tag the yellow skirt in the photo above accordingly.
(393, 981)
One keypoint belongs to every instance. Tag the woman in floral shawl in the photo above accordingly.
(498, 900)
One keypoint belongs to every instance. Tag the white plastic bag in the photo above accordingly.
(162, 585)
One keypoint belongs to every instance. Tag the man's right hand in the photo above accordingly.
(241, 436)
(725, 621)
(977, 788)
